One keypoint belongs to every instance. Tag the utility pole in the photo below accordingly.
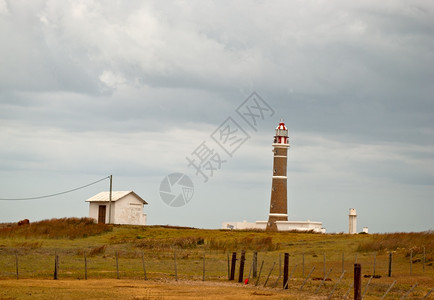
(110, 200)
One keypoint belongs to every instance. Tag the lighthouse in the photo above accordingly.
(278, 216)
(278, 203)
(352, 221)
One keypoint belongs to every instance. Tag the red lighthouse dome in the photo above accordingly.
(281, 136)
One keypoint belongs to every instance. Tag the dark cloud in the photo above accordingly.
(132, 88)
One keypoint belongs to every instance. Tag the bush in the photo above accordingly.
(392, 241)
(71, 228)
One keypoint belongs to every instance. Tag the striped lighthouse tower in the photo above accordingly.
(278, 203)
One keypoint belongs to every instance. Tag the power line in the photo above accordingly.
(52, 195)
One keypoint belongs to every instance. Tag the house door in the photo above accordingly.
(101, 214)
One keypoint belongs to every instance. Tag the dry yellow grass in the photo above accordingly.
(35, 247)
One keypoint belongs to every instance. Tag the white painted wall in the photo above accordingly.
(93, 210)
(259, 225)
(129, 210)
(300, 226)
(281, 225)
(126, 211)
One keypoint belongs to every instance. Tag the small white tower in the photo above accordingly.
(352, 221)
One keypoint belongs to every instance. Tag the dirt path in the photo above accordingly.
(135, 289)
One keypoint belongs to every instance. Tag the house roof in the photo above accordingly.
(116, 195)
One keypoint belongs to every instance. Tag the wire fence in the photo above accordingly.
(328, 274)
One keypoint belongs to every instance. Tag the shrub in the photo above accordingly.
(71, 228)
(392, 241)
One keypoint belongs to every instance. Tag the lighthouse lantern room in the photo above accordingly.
(281, 136)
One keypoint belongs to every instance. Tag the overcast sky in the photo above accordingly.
(132, 88)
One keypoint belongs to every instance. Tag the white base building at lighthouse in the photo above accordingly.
(281, 226)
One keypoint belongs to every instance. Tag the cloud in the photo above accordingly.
(337, 161)
(91, 87)
(3, 7)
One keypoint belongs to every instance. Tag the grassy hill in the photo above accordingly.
(172, 237)
(35, 245)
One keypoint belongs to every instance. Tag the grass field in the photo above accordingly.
(34, 246)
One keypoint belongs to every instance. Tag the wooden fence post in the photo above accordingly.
(241, 272)
(357, 282)
(56, 266)
(285, 270)
(234, 260)
(390, 264)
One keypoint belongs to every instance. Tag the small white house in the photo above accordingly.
(126, 208)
